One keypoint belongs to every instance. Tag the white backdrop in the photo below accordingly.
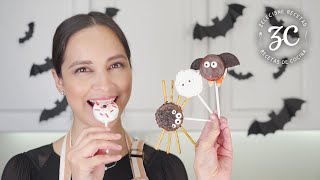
(160, 36)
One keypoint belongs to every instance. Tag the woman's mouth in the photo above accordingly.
(91, 102)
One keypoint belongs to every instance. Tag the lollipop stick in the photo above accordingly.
(169, 142)
(171, 91)
(195, 119)
(205, 104)
(188, 136)
(184, 102)
(177, 141)
(217, 99)
(164, 90)
(106, 125)
(159, 140)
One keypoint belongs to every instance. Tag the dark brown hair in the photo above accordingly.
(76, 23)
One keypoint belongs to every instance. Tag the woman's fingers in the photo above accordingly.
(93, 146)
(210, 132)
(225, 136)
(87, 131)
(107, 136)
(102, 159)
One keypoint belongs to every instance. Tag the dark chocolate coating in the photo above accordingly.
(212, 73)
(168, 115)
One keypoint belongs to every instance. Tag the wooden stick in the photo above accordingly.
(205, 104)
(184, 102)
(159, 140)
(164, 90)
(178, 100)
(171, 91)
(217, 99)
(196, 119)
(169, 142)
(178, 142)
(189, 137)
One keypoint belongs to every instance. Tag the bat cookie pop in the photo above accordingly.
(214, 68)
(105, 111)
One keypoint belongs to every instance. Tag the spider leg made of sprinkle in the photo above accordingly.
(177, 141)
(184, 102)
(160, 139)
(164, 91)
(188, 136)
(169, 142)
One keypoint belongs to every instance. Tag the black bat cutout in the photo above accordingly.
(28, 34)
(239, 76)
(111, 12)
(50, 113)
(274, 22)
(38, 69)
(281, 70)
(219, 28)
(277, 121)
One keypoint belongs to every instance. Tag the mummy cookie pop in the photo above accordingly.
(105, 111)
(188, 84)
(169, 117)
(214, 68)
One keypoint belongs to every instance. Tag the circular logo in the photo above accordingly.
(282, 36)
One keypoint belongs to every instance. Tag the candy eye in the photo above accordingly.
(174, 126)
(174, 111)
(178, 115)
(206, 64)
(177, 121)
(214, 64)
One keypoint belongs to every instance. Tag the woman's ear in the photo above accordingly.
(58, 80)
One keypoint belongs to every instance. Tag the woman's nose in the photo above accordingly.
(103, 82)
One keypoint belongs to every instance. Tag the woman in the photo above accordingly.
(91, 60)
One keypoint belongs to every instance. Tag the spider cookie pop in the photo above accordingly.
(105, 111)
(169, 117)
(214, 68)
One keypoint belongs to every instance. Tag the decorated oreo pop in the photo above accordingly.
(213, 67)
(105, 111)
(170, 117)
(189, 83)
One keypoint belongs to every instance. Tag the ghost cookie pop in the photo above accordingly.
(214, 68)
(105, 111)
(189, 83)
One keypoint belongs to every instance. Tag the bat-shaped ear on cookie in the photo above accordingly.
(229, 59)
(196, 64)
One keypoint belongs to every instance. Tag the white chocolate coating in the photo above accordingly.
(188, 83)
(105, 111)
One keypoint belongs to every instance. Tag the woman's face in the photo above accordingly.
(95, 67)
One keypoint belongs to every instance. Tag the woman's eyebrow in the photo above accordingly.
(118, 56)
(80, 63)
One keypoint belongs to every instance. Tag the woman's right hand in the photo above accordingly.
(87, 157)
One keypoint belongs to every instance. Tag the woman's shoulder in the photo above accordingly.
(169, 166)
(24, 165)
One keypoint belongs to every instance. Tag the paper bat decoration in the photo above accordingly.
(281, 70)
(239, 76)
(50, 113)
(111, 12)
(219, 28)
(277, 121)
(274, 22)
(28, 34)
(38, 69)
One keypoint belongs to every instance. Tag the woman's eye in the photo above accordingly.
(116, 65)
(82, 69)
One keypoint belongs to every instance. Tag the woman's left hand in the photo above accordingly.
(213, 158)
